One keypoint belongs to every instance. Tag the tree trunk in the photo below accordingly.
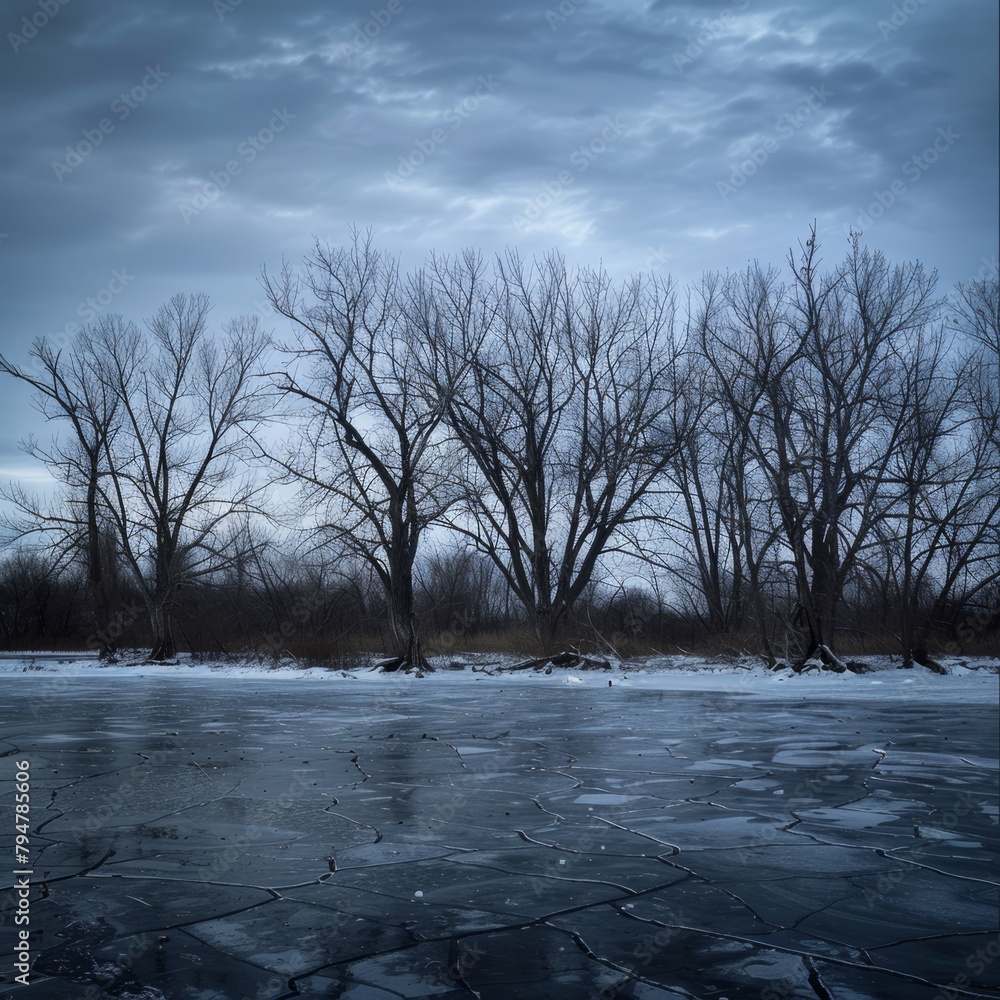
(825, 560)
(98, 590)
(402, 618)
(163, 647)
(546, 630)
(915, 651)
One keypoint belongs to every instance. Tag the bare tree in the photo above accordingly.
(925, 488)
(175, 475)
(69, 388)
(808, 371)
(559, 389)
(976, 312)
(367, 453)
(814, 459)
(158, 425)
(28, 588)
(973, 522)
(461, 591)
(719, 521)
(976, 316)
(932, 509)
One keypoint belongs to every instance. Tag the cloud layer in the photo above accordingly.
(189, 143)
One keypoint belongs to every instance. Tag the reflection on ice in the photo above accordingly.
(216, 838)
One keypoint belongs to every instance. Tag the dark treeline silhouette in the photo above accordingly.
(515, 456)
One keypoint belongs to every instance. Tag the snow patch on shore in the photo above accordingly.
(972, 679)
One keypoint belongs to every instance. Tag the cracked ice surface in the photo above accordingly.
(203, 838)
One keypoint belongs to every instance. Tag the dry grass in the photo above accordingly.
(868, 643)
(515, 641)
(985, 644)
(520, 640)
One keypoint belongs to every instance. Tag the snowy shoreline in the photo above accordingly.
(973, 679)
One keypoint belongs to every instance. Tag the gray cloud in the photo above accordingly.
(702, 93)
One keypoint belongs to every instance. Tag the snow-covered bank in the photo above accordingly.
(968, 679)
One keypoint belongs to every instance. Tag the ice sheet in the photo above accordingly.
(504, 837)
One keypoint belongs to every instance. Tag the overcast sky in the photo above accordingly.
(156, 147)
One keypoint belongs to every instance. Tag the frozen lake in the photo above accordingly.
(198, 837)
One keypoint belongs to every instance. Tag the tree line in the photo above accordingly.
(797, 462)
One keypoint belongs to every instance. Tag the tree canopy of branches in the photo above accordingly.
(561, 389)
(365, 451)
(841, 396)
(158, 422)
(805, 461)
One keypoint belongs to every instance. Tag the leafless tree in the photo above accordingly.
(808, 370)
(974, 545)
(367, 454)
(852, 322)
(924, 488)
(69, 388)
(461, 591)
(976, 316)
(813, 459)
(937, 522)
(159, 424)
(29, 595)
(719, 522)
(175, 477)
(559, 388)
